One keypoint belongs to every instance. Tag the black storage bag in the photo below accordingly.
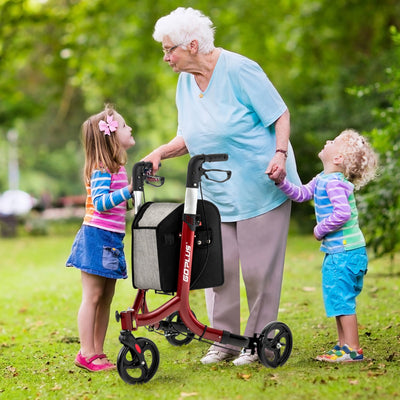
(156, 246)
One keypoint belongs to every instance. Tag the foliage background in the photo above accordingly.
(61, 60)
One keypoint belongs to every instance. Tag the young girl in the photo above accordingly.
(98, 250)
(349, 162)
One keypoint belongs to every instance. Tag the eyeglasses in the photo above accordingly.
(171, 49)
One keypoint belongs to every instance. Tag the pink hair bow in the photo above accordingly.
(109, 126)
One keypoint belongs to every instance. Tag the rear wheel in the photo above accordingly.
(175, 337)
(275, 344)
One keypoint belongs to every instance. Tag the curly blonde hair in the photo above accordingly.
(360, 162)
(102, 151)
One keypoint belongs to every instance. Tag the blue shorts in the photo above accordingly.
(342, 280)
(98, 252)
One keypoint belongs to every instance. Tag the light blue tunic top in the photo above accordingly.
(235, 115)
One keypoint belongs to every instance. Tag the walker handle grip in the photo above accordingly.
(215, 157)
(139, 174)
(195, 167)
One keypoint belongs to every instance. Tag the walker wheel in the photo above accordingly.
(174, 337)
(140, 364)
(275, 344)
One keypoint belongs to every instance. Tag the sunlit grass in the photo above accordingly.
(39, 299)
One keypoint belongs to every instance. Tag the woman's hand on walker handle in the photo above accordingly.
(155, 158)
(176, 147)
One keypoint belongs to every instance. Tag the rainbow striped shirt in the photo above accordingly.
(106, 200)
(335, 210)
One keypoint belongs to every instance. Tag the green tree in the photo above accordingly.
(61, 60)
(380, 204)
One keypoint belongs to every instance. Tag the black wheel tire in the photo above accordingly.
(129, 366)
(275, 344)
(177, 338)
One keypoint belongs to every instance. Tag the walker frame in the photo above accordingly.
(138, 359)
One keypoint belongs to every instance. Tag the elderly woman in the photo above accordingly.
(226, 104)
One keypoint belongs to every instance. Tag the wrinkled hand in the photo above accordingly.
(277, 168)
(155, 158)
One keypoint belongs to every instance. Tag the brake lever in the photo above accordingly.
(228, 175)
(154, 180)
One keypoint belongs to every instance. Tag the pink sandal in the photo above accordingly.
(87, 364)
(109, 364)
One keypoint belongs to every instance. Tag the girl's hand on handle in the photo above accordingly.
(130, 186)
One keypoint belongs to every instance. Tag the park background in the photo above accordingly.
(336, 64)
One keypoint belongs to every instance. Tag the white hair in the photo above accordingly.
(184, 25)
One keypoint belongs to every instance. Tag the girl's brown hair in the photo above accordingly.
(102, 151)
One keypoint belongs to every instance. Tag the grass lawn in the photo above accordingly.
(39, 299)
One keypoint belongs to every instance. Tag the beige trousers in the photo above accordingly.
(258, 246)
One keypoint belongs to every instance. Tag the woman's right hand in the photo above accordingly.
(155, 158)
(176, 147)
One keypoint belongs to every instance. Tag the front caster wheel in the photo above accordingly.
(175, 337)
(140, 364)
(275, 344)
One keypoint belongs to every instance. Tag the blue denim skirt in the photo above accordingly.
(98, 252)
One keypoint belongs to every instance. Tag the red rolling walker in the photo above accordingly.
(138, 359)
